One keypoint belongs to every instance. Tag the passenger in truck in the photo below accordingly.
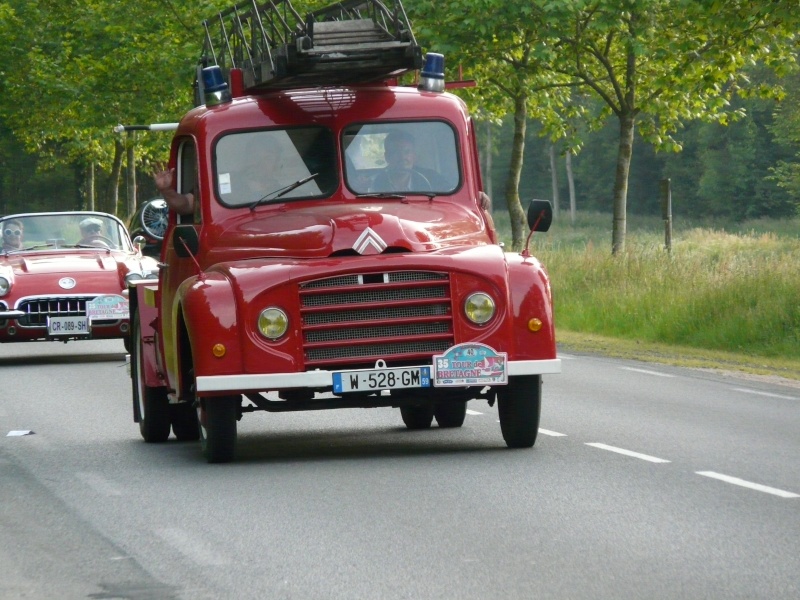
(183, 204)
(12, 235)
(400, 174)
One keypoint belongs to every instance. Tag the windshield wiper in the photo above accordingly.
(386, 195)
(267, 198)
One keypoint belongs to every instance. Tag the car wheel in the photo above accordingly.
(217, 417)
(150, 404)
(519, 404)
(184, 422)
(450, 414)
(417, 417)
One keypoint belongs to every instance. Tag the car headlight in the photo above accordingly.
(5, 286)
(479, 308)
(133, 276)
(273, 323)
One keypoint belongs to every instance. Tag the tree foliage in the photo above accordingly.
(654, 64)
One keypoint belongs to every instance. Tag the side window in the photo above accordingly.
(187, 179)
(412, 157)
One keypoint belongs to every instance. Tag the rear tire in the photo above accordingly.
(217, 417)
(184, 422)
(150, 404)
(519, 404)
(450, 414)
(417, 417)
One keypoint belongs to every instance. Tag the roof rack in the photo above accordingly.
(347, 42)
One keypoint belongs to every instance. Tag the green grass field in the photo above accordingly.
(731, 293)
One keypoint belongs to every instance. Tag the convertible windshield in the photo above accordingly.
(48, 231)
(256, 166)
(401, 158)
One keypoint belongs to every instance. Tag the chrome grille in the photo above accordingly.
(354, 320)
(38, 309)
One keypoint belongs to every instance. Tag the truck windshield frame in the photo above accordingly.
(252, 164)
(402, 157)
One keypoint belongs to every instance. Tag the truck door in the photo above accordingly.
(179, 268)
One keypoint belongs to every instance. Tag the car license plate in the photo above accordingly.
(381, 379)
(68, 325)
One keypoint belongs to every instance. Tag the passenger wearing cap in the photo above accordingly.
(12, 235)
(90, 233)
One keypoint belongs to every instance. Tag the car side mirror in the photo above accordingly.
(540, 215)
(185, 241)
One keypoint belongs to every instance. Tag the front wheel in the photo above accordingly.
(150, 404)
(519, 404)
(217, 417)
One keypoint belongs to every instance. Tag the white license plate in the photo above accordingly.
(381, 379)
(68, 325)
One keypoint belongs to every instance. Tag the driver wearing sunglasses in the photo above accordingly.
(12, 235)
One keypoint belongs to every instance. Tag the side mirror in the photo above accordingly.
(185, 241)
(139, 241)
(540, 215)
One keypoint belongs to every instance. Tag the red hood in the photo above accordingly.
(369, 228)
(65, 262)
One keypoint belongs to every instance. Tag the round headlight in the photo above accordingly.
(5, 286)
(479, 308)
(273, 323)
(133, 276)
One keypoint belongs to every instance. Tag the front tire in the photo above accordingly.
(217, 417)
(519, 404)
(150, 404)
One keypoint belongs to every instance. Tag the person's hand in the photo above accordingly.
(163, 179)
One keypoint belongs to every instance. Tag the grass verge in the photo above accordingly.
(768, 368)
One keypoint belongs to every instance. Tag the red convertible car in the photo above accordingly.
(64, 276)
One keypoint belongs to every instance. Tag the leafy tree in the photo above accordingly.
(83, 67)
(654, 64)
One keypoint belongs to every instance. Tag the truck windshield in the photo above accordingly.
(254, 164)
(407, 157)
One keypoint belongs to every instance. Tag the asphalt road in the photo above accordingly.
(646, 482)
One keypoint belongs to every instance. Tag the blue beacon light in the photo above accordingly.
(432, 74)
(215, 89)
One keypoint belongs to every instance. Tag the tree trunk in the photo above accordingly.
(131, 175)
(515, 212)
(624, 153)
(571, 184)
(554, 179)
(112, 195)
(90, 187)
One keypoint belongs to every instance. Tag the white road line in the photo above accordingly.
(748, 484)
(566, 356)
(628, 453)
(767, 394)
(646, 372)
(552, 433)
(473, 412)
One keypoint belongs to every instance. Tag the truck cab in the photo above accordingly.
(340, 253)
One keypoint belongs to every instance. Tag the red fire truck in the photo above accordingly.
(340, 253)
